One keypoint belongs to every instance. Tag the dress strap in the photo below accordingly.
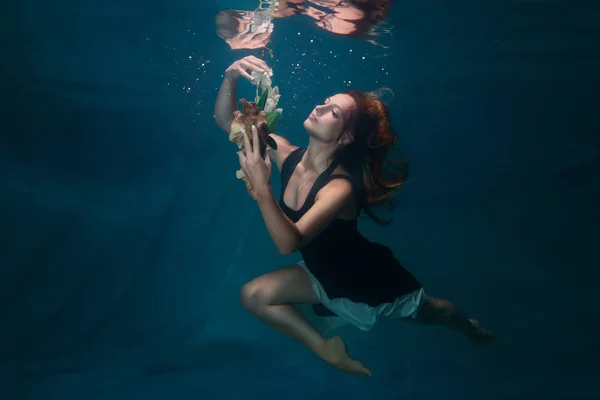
(288, 167)
(321, 181)
(357, 187)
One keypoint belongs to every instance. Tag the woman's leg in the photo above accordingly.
(442, 312)
(270, 298)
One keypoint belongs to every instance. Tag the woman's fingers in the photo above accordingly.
(247, 146)
(243, 73)
(250, 63)
(244, 66)
(263, 38)
(255, 141)
(268, 157)
(257, 64)
(242, 158)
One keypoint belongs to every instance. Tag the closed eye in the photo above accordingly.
(335, 114)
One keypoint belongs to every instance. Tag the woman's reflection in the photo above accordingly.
(354, 18)
(244, 29)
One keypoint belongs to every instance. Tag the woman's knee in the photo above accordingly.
(289, 285)
(434, 311)
(254, 296)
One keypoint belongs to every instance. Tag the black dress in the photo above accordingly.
(344, 263)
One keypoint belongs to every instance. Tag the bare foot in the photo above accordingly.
(337, 355)
(480, 335)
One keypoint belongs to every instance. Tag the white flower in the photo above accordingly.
(261, 80)
(264, 82)
(272, 99)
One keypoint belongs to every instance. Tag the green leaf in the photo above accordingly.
(273, 119)
(271, 142)
(263, 100)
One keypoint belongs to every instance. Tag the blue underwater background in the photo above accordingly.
(125, 237)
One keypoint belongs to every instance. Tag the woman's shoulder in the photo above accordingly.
(284, 149)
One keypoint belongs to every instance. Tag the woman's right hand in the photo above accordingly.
(245, 66)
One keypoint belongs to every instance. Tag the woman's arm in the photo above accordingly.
(289, 236)
(284, 149)
(226, 102)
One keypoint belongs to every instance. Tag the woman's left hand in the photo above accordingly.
(257, 169)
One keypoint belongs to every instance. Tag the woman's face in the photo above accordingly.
(327, 121)
(341, 19)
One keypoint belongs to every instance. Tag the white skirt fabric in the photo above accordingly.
(362, 315)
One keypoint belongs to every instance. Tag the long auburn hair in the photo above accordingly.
(368, 156)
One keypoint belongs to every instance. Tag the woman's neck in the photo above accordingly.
(318, 157)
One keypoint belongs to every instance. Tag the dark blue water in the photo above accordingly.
(126, 237)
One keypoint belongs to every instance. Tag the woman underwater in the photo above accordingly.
(323, 190)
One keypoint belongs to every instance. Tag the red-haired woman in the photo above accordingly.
(324, 188)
